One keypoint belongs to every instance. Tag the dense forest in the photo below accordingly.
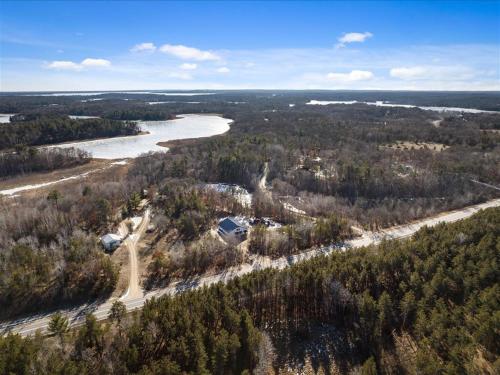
(26, 160)
(375, 165)
(425, 305)
(40, 130)
(19, 103)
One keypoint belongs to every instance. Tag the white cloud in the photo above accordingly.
(353, 38)
(87, 63)
(143, 47)
(96, 63)
(188, 53)
(353, 76)
(447, 67)
(188, 66)
(64, 65)
(223, 69)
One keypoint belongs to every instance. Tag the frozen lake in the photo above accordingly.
(385, 104)
(186, 126)
(76, 117)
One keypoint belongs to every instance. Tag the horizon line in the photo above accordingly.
(244, 89)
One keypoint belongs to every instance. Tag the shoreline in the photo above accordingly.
(161, 143)
(43, 178)
(174, 143)
(53, 145)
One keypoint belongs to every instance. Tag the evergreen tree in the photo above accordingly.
(59, 326)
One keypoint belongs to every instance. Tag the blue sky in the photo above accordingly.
(117, 45)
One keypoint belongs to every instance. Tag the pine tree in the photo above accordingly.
(59, 326)
(117, 313)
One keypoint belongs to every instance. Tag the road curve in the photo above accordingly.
(76, 316)
(134, 290)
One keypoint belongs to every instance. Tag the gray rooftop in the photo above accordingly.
(229, 224)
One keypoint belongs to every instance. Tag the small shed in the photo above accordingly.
(111, 241)
(232, 227)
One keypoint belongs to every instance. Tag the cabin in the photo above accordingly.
(231, 227)
(111, 241)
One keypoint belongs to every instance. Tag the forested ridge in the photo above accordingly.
(440, 288)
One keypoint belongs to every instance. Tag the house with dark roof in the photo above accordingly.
(111, 241)
(231, 227)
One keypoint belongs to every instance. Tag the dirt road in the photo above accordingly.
(134, 289)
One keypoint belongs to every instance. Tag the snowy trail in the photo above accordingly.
(20, 189)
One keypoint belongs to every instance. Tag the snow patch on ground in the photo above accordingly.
(5, 117)
(293, 209)
(136, 221)
(120, 162)
(241, 194)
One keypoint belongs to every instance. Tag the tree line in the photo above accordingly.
(52, 129)
(27, 160)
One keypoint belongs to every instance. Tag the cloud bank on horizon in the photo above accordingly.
(354, 59)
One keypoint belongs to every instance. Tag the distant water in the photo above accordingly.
(385, 104)
(187, 126)
(76, 117)
(154, 103)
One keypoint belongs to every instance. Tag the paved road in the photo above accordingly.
(76, 316)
